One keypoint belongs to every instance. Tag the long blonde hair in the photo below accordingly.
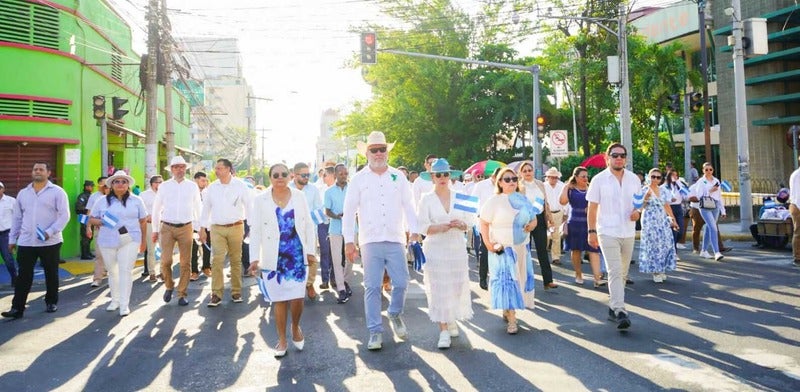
(497, 188)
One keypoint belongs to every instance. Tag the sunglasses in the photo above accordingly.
(655, 177)
(307, 175)
(509, 180)
(619, 155)
(527, 171)
(440, 175)
(119, 182)
(376, 150)
(709, 169)
(279, 175)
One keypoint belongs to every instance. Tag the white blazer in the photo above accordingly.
(265, 234)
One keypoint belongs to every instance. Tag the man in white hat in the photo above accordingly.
(553, 186)
(381, 196)
(177, 204)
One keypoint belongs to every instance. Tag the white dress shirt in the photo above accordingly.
(176, 202)
(420, 187)
(148, 197)
(615, 202)
(224, 204)
(381, 202)
(703, 188)
(553, 195)
(47, 210)
(6, 212)
(794, 188)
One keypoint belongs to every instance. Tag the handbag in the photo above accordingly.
(708, 203)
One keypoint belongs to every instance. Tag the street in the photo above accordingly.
(717, 326)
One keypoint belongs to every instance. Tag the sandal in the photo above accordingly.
(505, 315)
(512, 328)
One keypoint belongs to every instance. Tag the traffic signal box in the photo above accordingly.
(369, 48)
(98, 107)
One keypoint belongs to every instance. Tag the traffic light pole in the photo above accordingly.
(104, 145)
(742, 134)
(534, 70)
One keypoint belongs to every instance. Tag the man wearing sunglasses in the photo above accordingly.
(611, 219)
(382, 198)
(314, 201)
(422, 186)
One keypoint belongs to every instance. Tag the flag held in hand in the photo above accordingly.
(318, 216)
(40, 234)
(725, 186)
(158, 252)
(419, 257)
(83, 219)
(638, 200)
(538, 205)
(109, 220)
(466, 203)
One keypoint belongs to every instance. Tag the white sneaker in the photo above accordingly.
(399, 327)
(444, 340)
(706, 255)
(657, 278)
(375, 341)
(452, 328)
(124, 311)
(680, 246)
(663, 276)
(112, 306)
(96, 283)
(718, 256)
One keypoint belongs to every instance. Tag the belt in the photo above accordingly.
(177, 225)
(237, 223)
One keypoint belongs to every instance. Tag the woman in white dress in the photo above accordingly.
(446, 269)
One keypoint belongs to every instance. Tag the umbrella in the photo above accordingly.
(516, 164)
(486, 167)
(597, 160)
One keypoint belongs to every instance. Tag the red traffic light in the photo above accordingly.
(369, 38)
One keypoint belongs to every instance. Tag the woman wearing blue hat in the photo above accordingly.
(446, 269)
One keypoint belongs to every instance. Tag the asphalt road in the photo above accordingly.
(717, 326)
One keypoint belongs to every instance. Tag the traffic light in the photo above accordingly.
(369, 48)
(118, 111)
(99, 107)
(696, 102)
(540, 122)
(675, 103)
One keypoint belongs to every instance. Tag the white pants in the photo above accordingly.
(341, 274)
(119, 263)
(617, 253)
(555, 235)
(151, 251)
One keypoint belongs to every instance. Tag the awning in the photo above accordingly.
(188, 151)
(114, 127)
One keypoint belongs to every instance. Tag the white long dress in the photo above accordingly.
(446, 269)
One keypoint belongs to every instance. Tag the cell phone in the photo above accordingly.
(123, 230)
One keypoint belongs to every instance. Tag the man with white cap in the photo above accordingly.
(552, 188)
(381, 196)
(177, 204)
(6, 215)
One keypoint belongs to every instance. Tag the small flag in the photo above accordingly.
(83, 219)
(109, 220)
(40, 233)
(726, 187)
(538, 205)
(770, 204)
(318, 216)
(158, 253)
(683, 190)
(419, 256)
(466, 203)
(638, 200)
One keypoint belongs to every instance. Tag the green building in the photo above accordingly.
(55, 55)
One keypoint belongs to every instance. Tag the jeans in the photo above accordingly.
(377, 256)
(8, 258)
(677, 212)
(27, 256)
(710, 233)
(325, 261)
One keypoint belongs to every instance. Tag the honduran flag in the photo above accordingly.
(466, 203)
(318, 216)
(83, 219)
(158, 252)
(538, 205)
(40, 233)
(726, 186)
(638, 200)
(109, 220)
(683, 190)
(770, 204)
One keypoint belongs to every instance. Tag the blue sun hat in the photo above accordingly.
(440, 166)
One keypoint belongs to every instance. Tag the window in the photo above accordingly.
(28, 23)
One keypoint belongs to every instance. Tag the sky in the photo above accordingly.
(294, 52)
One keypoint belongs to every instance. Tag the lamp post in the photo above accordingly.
(742, 134)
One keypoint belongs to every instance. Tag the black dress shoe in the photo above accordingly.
(13, 313)
(726, 249)
(51, 308)
(628, 281)
(167, 295)
(483, 284)
(182, 301)
(86, 257)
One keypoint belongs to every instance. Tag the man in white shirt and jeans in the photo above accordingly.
(381, 197)
(612, 225)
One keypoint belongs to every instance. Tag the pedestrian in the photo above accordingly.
(446, 271)
(574, 195)
(553, 186)
(611, 219)
(693, 175)
(314, 201)
(381, 197)
(148, 197)
(99, 265)
(706, 191)
(226, 203)
(122, 218)
(176, 206)
(7, 204)
(325, 260)
(40, 215)
(200, 247)
(421, 185)
(672, 186)
(794, 210)
(657, 254)
(535, 189)
(484, 189)
(82, 208)
(334, 209)
(509, 254)
(282, 237)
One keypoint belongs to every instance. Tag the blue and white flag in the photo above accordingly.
(157, 252)
(466, 203)
(683, 190)
(638, 200)
(318, 216)
(770, 204)
(109, 220)
(83, 218)
(726, 186)
(40, 233)
(538, 205)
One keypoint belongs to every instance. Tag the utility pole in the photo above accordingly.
(742, 134)
(151, 91)
(687, 139)
(624, 93)
(250, 112)
(701, 15)
(166, 50)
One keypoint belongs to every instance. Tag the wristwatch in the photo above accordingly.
(592, 231)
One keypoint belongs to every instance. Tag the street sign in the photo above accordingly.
(559, 148)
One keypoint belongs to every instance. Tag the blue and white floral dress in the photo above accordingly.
(657, 253)
(288, 280)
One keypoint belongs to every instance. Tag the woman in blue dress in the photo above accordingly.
(657, 252)
(574, 194)
(282, 240)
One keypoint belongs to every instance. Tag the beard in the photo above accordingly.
(378, 164)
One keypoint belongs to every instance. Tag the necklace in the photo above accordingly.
(281, 200)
